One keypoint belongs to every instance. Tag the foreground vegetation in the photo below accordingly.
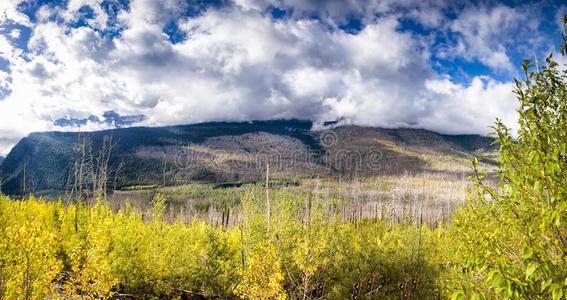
(514, 236)
(51, 249)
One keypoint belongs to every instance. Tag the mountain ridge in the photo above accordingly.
(230, 151)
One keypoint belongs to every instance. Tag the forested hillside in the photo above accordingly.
(47, 163)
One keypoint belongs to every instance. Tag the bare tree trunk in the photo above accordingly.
(309, 209)
(75, 169)
(94, 174)
(227, 216)
(99, 163)
(105, 168)
(268, 195)
(164, 168)
(116, 172)
(79, 191)
(24, 183)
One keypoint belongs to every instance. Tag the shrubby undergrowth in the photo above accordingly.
(48, 248)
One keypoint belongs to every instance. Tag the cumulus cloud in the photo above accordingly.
(469, 109)
(482, 33)
(10, 13)
(237, 62)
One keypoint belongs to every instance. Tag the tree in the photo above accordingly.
(512, 237)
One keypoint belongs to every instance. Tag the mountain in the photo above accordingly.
(109, 118)
(233, 151)
(1, 158)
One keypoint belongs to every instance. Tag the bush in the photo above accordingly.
(512, 238)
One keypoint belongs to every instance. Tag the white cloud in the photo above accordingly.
(469, 109)
(72, 12)
(10, 13)
(338, 12)
(483, 34)
(15, 33)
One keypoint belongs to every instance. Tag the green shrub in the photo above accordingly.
(512, 238)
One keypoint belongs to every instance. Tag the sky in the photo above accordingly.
(442, 65)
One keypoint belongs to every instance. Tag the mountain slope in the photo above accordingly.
(221, 151)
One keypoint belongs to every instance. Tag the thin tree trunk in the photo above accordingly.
(268, 195)
(164, 168)
(79, 191)
(24, 184)
(105, 177)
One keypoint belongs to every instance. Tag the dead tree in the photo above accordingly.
(117, 171)
(78, 168)
(164, 167)
(99, 169)
(268, 195)
(90, 169)
(83, 155)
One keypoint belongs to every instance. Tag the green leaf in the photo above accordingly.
(528, 252)
(458, 295)
(530, 270)
(497, 281)
(556, 219)
(557, 292)
(545, 284)
(475, 161)
(509, 290)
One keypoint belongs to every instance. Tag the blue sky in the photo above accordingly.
(442, 65)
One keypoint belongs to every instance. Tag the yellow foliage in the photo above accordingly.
(262, 278)
(28, 249)
(51, 249)
(90, 265)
